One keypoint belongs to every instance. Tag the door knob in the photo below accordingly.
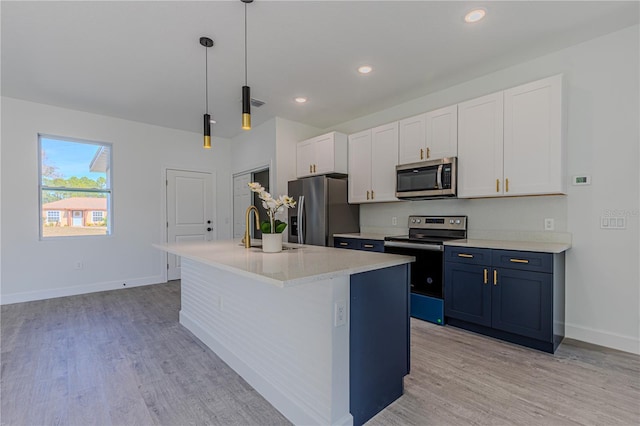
(209, 229)
(208, 221)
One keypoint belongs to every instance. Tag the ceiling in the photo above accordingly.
(142, 60)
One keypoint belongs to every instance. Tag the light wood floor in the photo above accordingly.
(121, 358)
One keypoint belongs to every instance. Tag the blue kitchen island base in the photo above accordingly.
(379, 340)
(427, 308)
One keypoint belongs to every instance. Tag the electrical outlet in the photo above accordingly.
(394, 220)
(340, 313)
(221, 303)
(78, 264)
(549, 224)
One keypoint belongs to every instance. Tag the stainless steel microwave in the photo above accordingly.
(427, 179)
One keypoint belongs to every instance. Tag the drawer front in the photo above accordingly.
(347, 243)
(470, 256)
(372, 245)
(523, 260)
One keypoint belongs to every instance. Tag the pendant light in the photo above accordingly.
(246, 90)
(207, 43)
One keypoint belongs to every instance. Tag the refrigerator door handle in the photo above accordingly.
(301, 219)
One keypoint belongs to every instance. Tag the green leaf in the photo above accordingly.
(280, 226)
(265, 226)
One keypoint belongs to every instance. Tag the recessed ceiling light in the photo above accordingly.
(300, 99)
(475, 15)
(365, 69)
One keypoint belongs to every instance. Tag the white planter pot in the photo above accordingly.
(271, 243)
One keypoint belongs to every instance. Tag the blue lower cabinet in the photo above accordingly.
(514, 296)
(427, 308)
(379, 340)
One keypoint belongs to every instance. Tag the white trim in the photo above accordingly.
(29, 296)
(603, 338)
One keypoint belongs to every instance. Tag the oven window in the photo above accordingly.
(426, 271)
(417, 179)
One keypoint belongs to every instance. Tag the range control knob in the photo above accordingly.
(457, 221)
(451, 221)
(413, 221)
(418, 221)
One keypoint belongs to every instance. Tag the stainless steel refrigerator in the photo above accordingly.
(321, 210)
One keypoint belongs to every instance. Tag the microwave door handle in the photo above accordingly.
(301, 219)
(439, 178)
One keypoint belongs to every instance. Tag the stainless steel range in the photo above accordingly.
(425, 242)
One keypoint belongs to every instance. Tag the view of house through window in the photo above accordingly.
(75, 187)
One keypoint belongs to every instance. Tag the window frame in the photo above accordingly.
(108, 190)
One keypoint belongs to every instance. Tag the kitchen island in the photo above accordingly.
(321, 333)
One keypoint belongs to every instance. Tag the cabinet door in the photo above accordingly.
(522, 303)
(533, 140)
(384, 159)
(324, 154)
(412, 141)
(480, 135)
(467, 295)
(442, 133)
(360, 167)
(305, 152)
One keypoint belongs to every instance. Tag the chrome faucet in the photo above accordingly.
(247, 234)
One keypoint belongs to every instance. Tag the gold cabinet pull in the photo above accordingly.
(310, 168)
(372, 195)
(506, 185)
(519, 260)
(486, 276)
(497, 185)
(344, 244)
(367, 195)
(495, 277)
(367, 245)
(314, 168)
(421, 154)
(470, 256)
(428, 153)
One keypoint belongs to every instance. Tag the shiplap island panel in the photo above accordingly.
(286, 322)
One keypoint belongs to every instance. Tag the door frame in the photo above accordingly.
(254, 168)
(164, 256)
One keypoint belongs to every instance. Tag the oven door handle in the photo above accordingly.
(415, 246)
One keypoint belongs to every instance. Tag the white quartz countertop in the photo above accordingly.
(362, 236)
(542, 247)
(296, 264)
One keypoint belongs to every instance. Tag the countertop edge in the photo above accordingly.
(362, 236)
(534, 246)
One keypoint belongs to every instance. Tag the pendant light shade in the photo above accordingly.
(246, 108)
(207, 43)
(246, 90)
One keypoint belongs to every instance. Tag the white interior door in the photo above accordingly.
(189, 211)
(241, 200)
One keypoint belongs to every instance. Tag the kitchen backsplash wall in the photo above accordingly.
(520, 218)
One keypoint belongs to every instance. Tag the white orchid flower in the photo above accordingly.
(255, 187)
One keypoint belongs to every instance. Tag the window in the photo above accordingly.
(53, 216)
(97, 217)
(75, 181)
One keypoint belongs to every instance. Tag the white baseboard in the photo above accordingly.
(603, 338)
(29, 296)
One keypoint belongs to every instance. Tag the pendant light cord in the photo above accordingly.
(206, 80)
(245, 44)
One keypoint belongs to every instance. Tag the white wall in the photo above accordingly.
(602, 294)
(254, 148)
(34, 269)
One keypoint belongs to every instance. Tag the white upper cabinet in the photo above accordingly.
(511, 142)
(322, 155)
(373, 156)
(413, 139)
(533, 135)
(429, 136)
(480, 126)
(442, 133)
(360, 167)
